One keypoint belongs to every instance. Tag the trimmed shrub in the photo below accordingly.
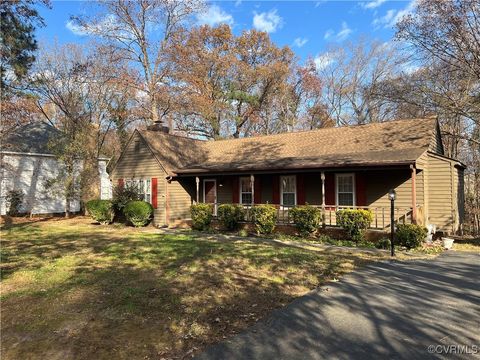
(138, 212)
(307, 219)
(201, 216)
(410, 236)
(264, 218)
(383, 244)
(230, 215)
(355, 222)
(101, 210)
(14, 199)
(122, 195)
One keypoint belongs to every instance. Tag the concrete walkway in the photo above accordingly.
(386, 310)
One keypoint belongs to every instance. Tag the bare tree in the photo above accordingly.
(351, 76)
(77, 90)
(141, 31)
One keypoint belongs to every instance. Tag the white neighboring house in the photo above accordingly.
(26, 163)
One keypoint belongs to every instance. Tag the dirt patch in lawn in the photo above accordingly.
(75, 290)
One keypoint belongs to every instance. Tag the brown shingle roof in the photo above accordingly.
(393, 142)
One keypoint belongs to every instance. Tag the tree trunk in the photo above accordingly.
(154, 108)
(67, 208)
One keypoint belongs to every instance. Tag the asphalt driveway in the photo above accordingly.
(386, 310)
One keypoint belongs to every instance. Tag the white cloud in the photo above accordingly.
(372, 4)
(385, 19)
(341, 35)
(238, 3)
(344, 32)
(323, 61)
(318, 3)
(107, 23)
(267, 21)
(74, 28)
(393, 16)
(214, 16)
(328, 34)
(299, 42)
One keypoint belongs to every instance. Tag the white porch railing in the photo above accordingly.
(381, 215)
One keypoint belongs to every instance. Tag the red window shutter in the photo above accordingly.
(276, 189)
(235, 190)
(360, 189)
(120, 183)
(301, 189)
(257, 191)
(330, 189)
(154, 192)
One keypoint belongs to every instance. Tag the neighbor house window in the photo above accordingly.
(143, 186)
(245, 191)
(345, 184)
(288, 190)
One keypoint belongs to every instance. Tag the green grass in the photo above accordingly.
(72, 289)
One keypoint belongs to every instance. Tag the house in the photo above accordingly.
(26, 163)
(334, 168)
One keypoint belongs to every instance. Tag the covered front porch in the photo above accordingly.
(329, 189)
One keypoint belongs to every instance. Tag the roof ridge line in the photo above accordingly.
(317, 130)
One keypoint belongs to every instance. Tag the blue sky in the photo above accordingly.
(308, 27)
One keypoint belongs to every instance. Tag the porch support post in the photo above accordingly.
(252, 184)
(197, 181)
(414, 193)
(323, 199)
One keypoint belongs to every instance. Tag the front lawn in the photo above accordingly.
(75, 290)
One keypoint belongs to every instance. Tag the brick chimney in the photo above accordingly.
(159, 126)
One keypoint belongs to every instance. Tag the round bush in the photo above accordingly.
(201, 216)
(307, 219)
(101, 210)
(139, 213)
(383, 244)
(264, 218)
(355, 222)
(230, 215)
(410, 236)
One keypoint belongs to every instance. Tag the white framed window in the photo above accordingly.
(144, 187)
(345, 189)
(245, 191)
(288, 190)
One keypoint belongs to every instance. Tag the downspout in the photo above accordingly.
(413, 175)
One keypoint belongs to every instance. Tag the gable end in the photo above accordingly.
(436, 142)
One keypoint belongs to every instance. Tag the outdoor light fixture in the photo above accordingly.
(391, 195)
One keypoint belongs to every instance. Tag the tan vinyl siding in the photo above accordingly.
(436, 144)
(440, 189)
(460, 195)
(180, 194)
(137, 161)
(379, 182)
(420, 180)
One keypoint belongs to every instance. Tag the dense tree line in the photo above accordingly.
(147, 61)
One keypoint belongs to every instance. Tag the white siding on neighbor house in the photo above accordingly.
(29, 173)
(105, 182)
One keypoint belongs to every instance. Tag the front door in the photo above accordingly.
(210, 193)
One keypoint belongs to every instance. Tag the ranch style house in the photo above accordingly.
(332, 168)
